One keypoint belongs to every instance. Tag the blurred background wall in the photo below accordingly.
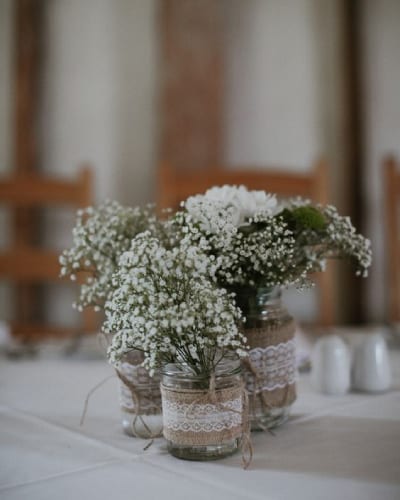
(381, 97)
(272, 83)
(272, 94)
(284, 102)
(99, 93)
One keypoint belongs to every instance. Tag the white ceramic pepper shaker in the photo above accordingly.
(331, 366)
(371, 365)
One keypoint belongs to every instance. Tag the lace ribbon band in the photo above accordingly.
(199, 418)
(275, 366)
(270, 369)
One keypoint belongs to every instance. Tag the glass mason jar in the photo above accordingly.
(203, 416)
(270, 369)
(140, 398)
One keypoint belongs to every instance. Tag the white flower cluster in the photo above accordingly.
(228, 207)
(343, 240)
(166, 303)
(163, 285)
(100, 236)
(259, 243)
(322, 233)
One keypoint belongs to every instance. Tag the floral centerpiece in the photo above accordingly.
(261, 246)
(166, 303)
(188, 293)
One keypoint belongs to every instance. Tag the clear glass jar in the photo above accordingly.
(202, 421)
(270, 369)
(140, 398)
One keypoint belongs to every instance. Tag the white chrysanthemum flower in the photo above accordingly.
(227, 207)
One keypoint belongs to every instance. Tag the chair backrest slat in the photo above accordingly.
(24, 263)
(42, 191)
(29, 265)
(175, 185)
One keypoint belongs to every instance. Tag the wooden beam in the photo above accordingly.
(355, 297)
(191, 82)
(28, 59)
(392, 233)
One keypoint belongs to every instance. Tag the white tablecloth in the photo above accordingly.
(333, 447)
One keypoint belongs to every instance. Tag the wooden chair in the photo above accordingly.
(175, 185)
(26, 264)
(391, 173)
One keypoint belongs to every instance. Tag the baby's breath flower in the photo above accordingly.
(100, 236)
(259, 243)
(166, 303)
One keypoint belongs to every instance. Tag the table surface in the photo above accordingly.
(332, 447)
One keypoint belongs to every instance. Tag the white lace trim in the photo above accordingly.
(202, 417)
(139, 377)
(276, 366)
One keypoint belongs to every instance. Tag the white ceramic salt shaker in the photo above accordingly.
(331, 365)
(371, 365)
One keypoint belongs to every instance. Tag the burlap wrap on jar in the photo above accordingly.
(194, 417)
(140, 398)
(206, 415)
(270, 369)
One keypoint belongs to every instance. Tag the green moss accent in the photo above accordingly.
(302, 218)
